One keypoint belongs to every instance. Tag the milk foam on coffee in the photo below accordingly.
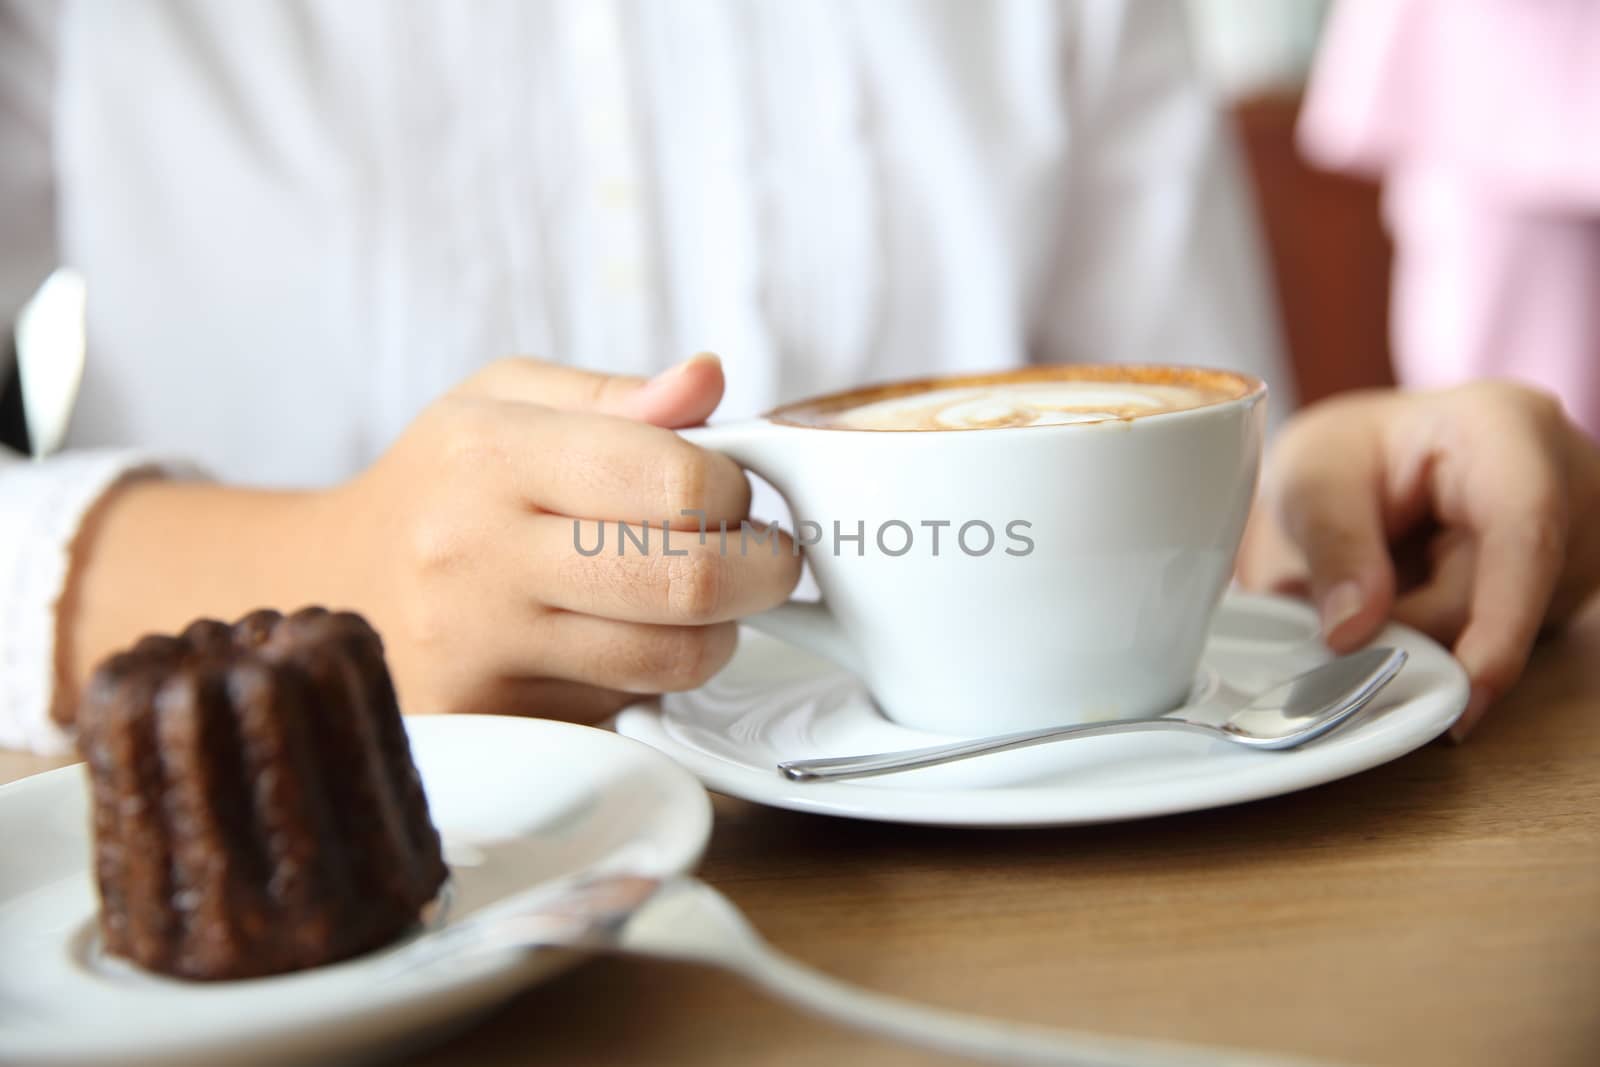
(1009, 404)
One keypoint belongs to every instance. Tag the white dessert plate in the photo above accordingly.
(519, 802)
(775, 702)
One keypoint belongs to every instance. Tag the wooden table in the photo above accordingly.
(1443, 909)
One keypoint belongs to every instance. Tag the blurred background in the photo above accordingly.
(1480, 120)
(1329, 253)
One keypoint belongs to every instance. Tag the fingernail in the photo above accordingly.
(677, 370)
(666, 378)
(1477, 704)
(1340, 606)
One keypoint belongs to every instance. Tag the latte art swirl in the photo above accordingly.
(1006, 405)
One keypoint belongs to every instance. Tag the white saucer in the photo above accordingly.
(518, 801)
(775, 702)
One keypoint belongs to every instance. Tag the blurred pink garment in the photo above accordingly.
(1483, 119)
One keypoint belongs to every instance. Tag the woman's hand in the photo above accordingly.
(463, 540)
(1469, 514)
(459, 545)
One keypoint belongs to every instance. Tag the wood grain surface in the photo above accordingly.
(1443, 909)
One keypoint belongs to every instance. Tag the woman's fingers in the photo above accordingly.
(589, 466)
(1268, 560)
(683, 395)
(1492, 474)
(1441, 605)
(551, 698)
(1520, 557)
(650, 575)
(1503, 477)
(489, 602)
(632, 657)
(1328, 502)
(465, 661)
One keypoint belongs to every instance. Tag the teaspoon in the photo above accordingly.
(1287, 715)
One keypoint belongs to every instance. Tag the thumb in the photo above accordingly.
(682, 395)
(1332, 511)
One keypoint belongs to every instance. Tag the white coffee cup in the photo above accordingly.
(1109, 545)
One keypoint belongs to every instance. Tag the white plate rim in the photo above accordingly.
(433, 1004)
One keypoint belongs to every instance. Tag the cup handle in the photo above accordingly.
(752, 444)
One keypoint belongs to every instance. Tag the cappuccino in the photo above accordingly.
(1034, 397)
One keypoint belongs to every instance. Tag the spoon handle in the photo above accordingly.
(1286, 716)
(836, 767)
(688, 920)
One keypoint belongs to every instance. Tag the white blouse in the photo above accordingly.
(301, 220)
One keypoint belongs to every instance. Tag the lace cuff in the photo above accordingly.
(42, 505)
